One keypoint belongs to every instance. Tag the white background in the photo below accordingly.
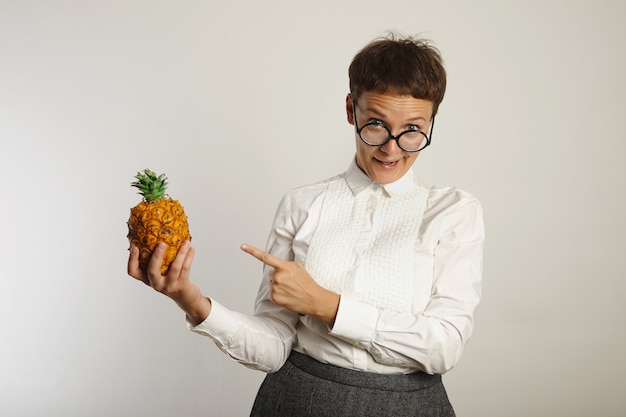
(237, 102)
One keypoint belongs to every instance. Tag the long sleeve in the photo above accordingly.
(431, 340)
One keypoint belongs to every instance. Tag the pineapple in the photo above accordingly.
(158, 218)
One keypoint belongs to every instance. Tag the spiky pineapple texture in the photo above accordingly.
(158, 218)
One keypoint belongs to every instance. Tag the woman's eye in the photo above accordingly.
(377, 123)
(413, 128)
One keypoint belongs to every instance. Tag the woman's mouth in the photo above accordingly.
(388, 164)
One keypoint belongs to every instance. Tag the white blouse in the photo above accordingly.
(406, 259)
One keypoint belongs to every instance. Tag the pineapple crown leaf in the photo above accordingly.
(150, 186)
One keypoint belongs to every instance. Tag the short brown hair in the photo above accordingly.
(399, 65)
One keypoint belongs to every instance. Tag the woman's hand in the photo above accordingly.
(176, 284)
(292, 287)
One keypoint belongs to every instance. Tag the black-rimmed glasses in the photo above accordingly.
(375, 133)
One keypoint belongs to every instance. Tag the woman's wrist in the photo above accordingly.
(329, 306)
(197, 309)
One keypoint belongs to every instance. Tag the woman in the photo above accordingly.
(371, 278)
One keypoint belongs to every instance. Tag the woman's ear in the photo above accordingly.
(350, 109)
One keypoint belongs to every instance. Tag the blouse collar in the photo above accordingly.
(358, 181)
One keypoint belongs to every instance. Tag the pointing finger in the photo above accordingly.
(263, 256)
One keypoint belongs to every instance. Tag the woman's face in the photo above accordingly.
(388, 163)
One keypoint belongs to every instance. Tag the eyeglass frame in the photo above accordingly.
(390, 137)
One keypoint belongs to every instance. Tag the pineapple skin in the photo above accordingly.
(158, 221)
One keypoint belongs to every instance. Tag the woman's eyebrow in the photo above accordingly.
(418, 119)
(370, 111)
(373, 112)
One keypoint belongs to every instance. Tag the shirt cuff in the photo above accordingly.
(220, 325)
(355, 322)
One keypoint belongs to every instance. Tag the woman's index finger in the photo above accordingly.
(262, 256)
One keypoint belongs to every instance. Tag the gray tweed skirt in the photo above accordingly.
(306, 387)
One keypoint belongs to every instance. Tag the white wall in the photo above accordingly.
(240, 101)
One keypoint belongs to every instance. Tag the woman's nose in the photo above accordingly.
(391, 147)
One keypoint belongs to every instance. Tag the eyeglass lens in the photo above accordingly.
(378, 134)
